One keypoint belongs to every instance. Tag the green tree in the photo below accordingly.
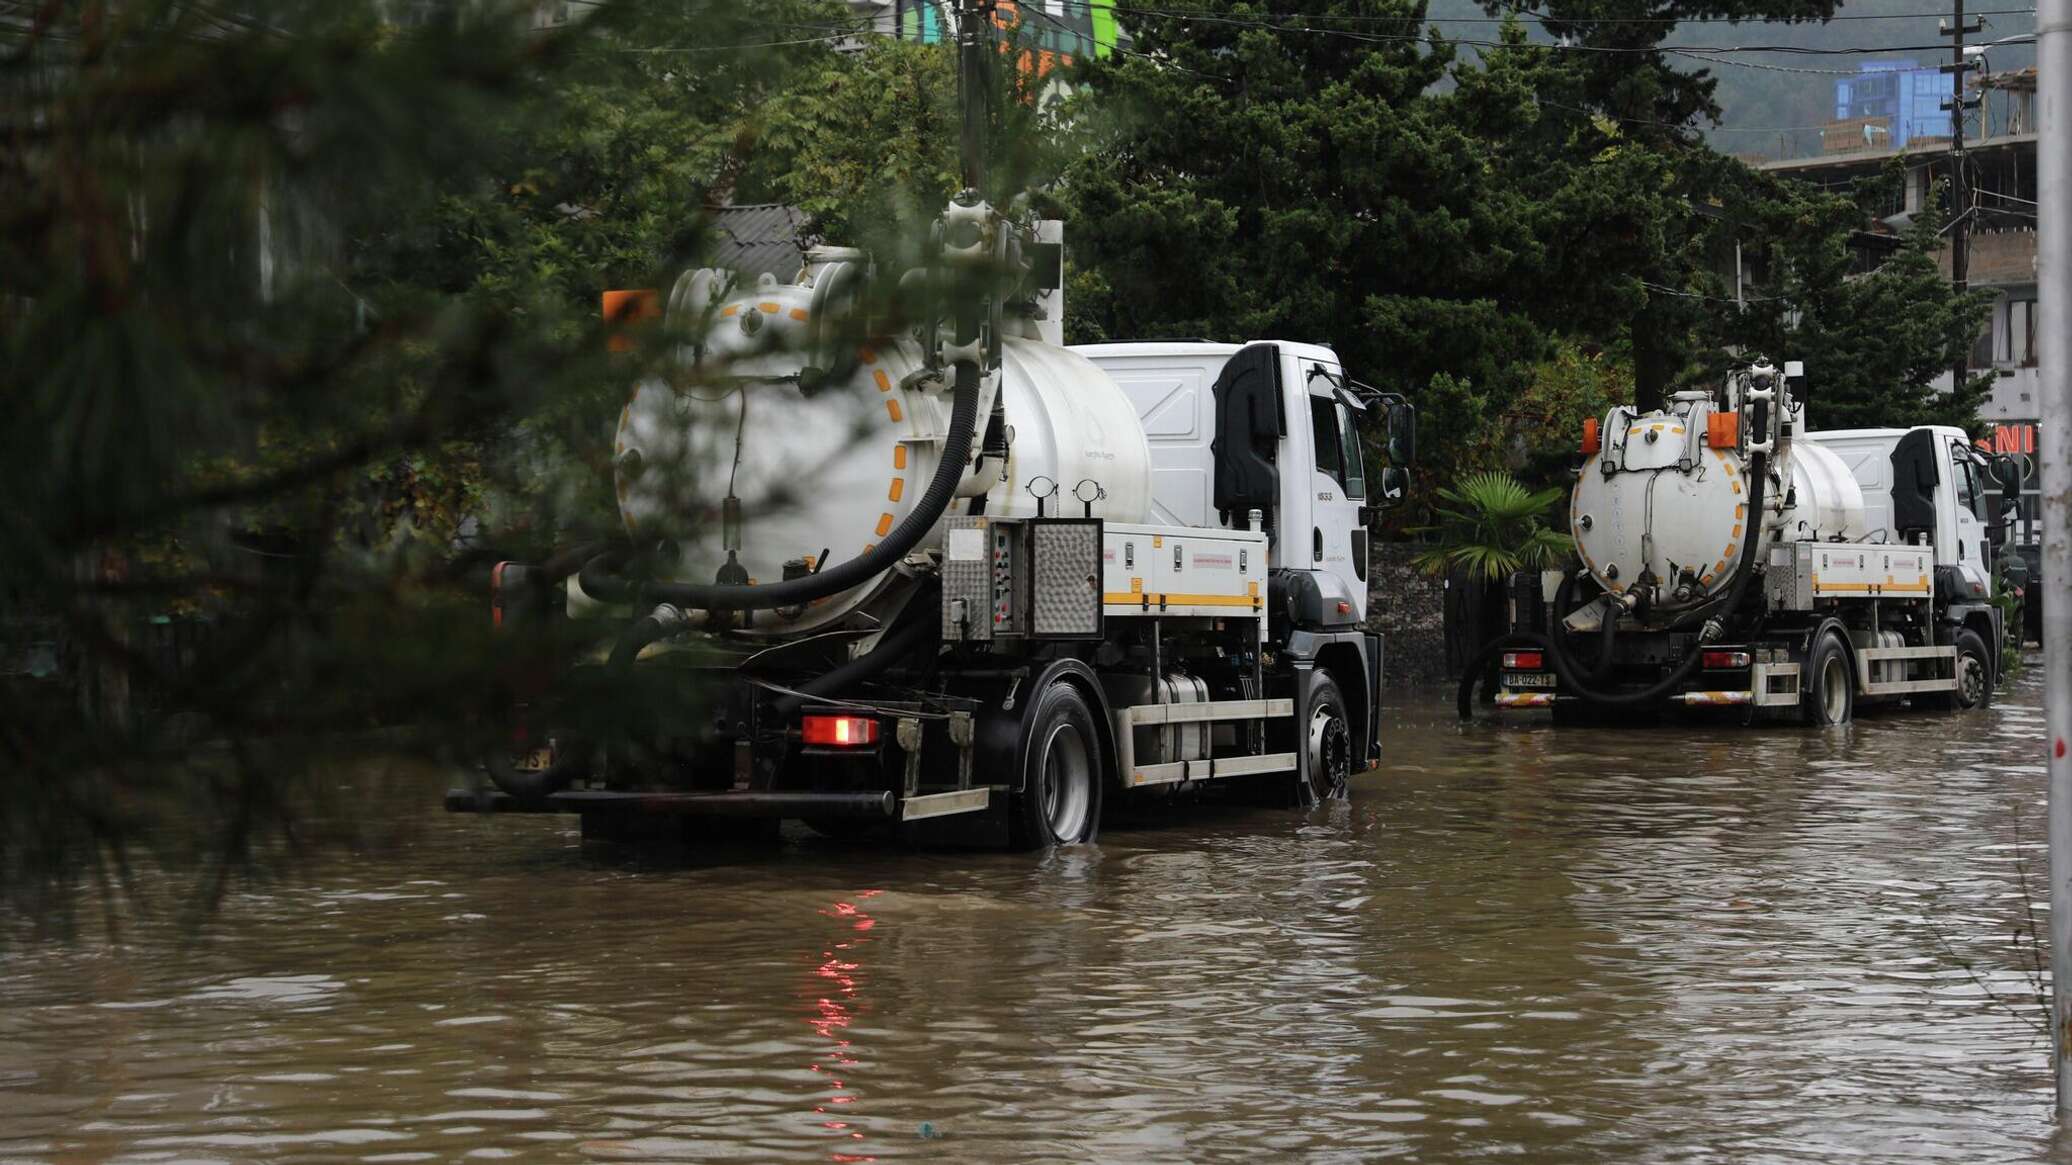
(299, 317)
(1875, 342)
(1249, 180)
(1615, 66)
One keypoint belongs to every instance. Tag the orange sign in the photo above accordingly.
(2009, 438)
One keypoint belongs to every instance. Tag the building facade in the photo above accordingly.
(1895, 102)
(2000, 209)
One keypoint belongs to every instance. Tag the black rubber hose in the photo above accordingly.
(894, 647)
(1564, 667)
(569, 561)
(600, 580)
(647, 629)
(1562, 594)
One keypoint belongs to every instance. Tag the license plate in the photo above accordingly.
(1529, 679)
(536, 760)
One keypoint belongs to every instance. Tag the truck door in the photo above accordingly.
(1336, 540)
(1968, 513)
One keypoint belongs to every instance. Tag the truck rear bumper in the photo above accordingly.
(731, 803)
(1515, 701)
(881, 804)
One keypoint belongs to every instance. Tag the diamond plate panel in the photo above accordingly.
(1065, 591)
(967, 581)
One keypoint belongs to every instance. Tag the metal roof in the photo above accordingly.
(757, 237)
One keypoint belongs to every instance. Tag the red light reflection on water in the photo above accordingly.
(834, 1001)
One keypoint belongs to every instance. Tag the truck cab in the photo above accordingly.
(1273, 427)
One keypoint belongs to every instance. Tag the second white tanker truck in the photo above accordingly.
(1727, 557)
(936, 571)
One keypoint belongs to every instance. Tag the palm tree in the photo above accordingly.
(1491, 526)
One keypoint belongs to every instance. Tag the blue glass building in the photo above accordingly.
(1908, 95)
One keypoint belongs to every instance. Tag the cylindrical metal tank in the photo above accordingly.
(822, 475)
(1659, 501)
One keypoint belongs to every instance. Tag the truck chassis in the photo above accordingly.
(1042, 667)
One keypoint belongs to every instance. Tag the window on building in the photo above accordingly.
(2018, 335)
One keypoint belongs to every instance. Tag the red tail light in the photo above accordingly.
(827, 731)
(1524, 660)
(1591, 441)
(496, 594)
(1724, 659)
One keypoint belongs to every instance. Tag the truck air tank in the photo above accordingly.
(1661, 500)
(826, 464)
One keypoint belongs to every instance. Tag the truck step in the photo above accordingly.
(943, 804)
(1211, 768)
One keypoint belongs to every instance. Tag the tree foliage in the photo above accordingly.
(1456, 227)
(1874, 343)
(1491, 526)
(299, 313)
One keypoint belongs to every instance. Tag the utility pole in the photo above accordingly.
(1960, 194)
(2054, 287)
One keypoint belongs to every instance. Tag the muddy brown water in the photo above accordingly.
(1514, 942)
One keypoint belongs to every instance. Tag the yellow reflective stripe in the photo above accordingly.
(1138, 598)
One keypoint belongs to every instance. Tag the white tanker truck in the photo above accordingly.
(949, 576)
(1727, 557)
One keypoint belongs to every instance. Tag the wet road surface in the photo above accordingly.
(1660, 945)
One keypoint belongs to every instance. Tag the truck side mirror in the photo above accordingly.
(2008, 472)
(1402, 444)
(1395, 486)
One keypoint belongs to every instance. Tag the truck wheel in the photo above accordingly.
(1060, 801)
(1827, 695)
(1327, 740)
(1974, 677)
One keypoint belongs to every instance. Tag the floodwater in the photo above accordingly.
(1662, 945)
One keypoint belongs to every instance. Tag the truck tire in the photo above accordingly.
(1974, 677)
(1327, 743)
(1827, 692)
(1060, 798)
